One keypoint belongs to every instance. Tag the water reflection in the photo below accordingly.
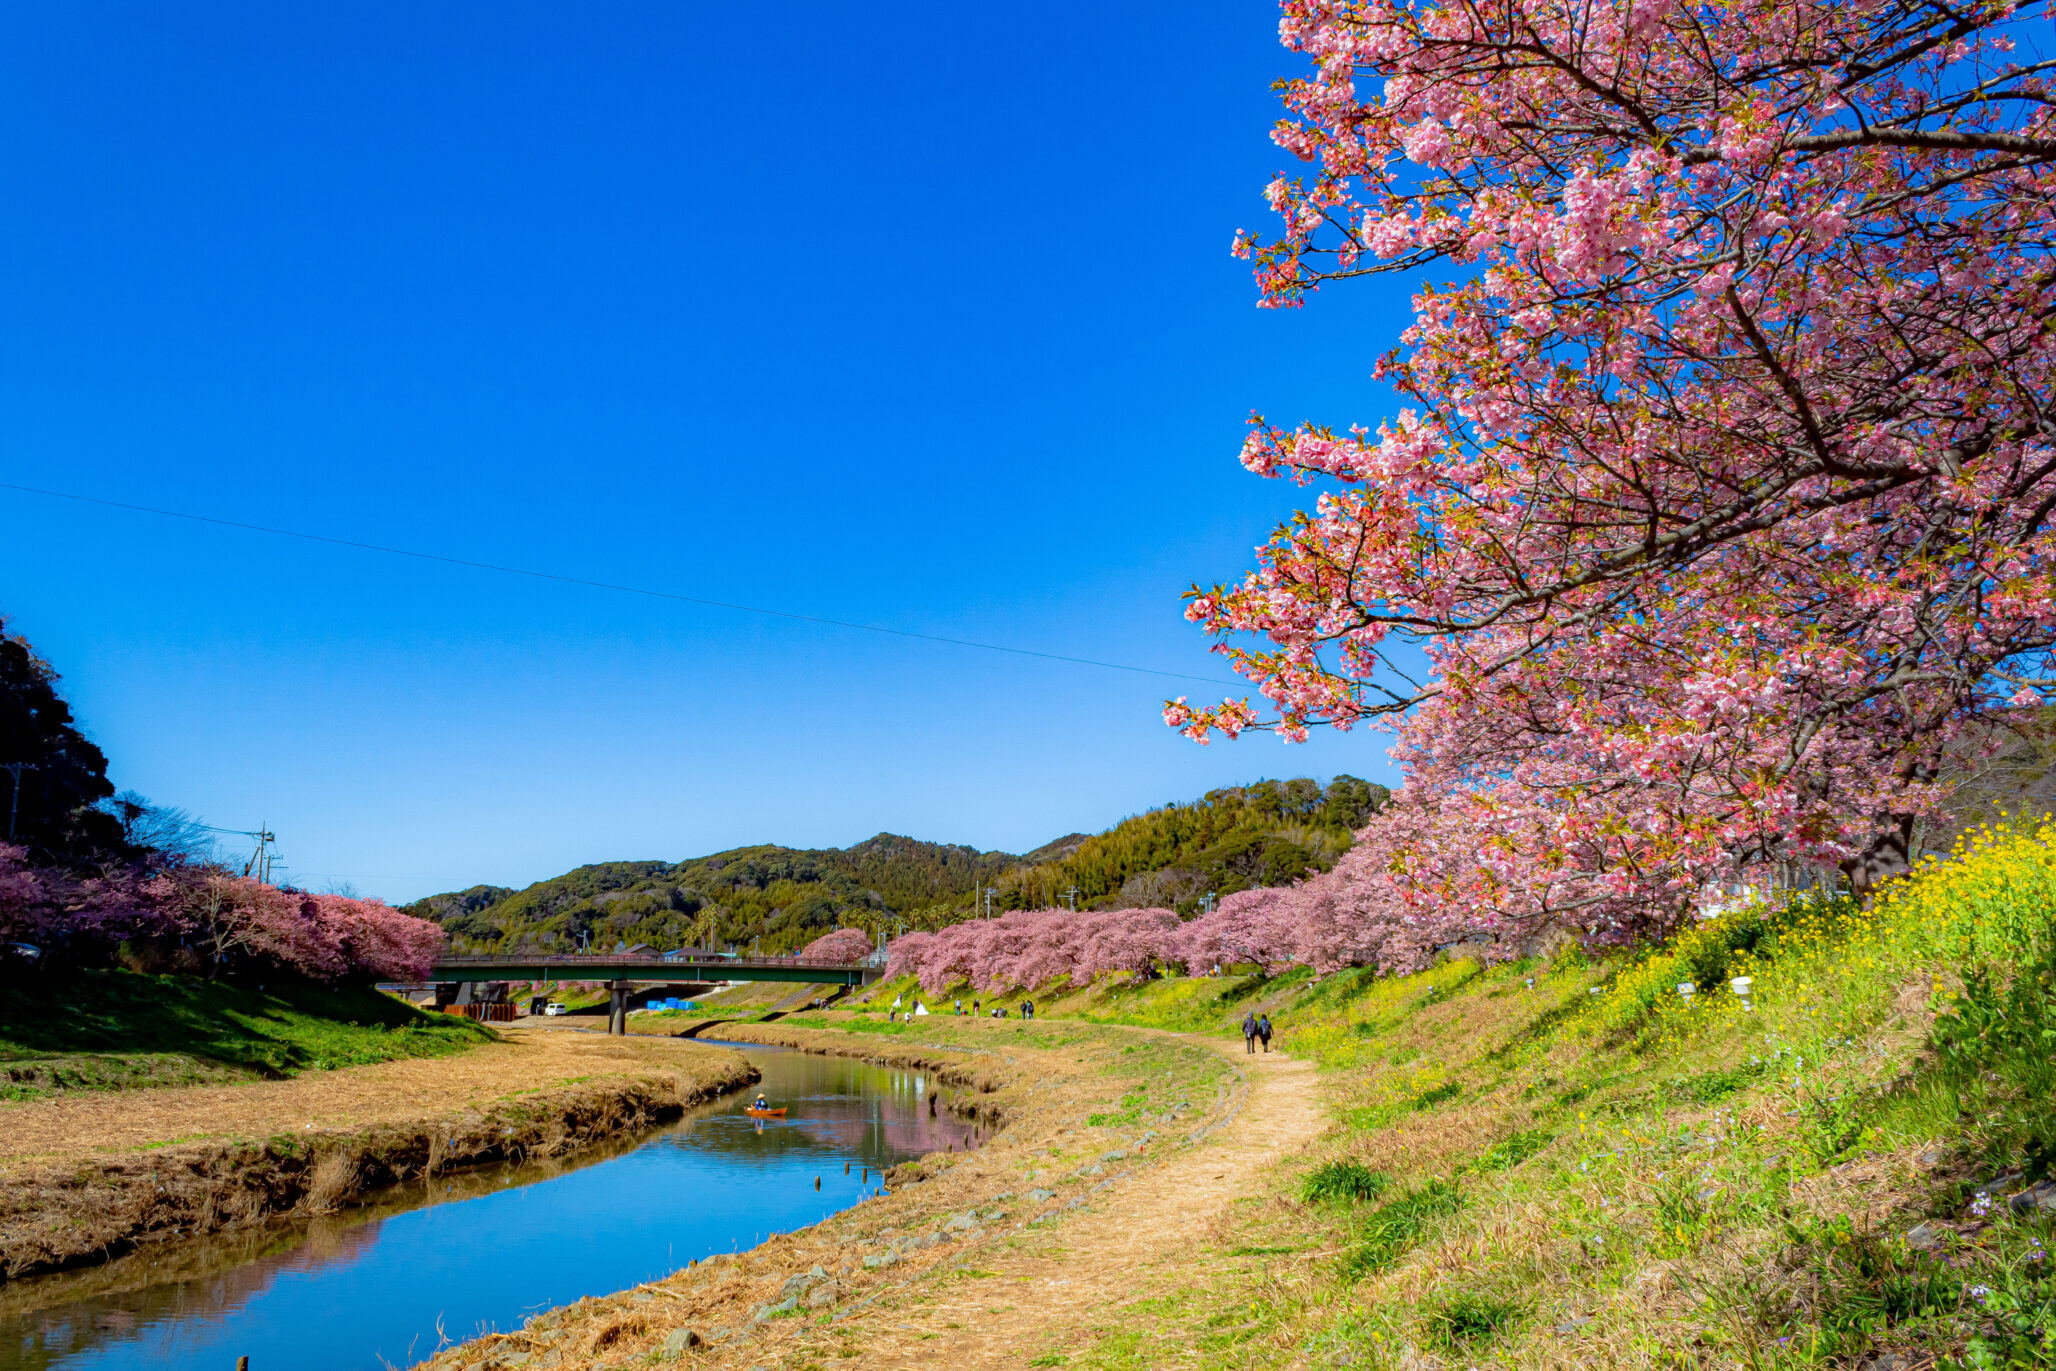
(383, 1284)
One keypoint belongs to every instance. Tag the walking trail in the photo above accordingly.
(1063, 1289)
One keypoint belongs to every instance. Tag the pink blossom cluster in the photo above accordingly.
(843, 946)
(228, 918)
(1354, 915)
(43, 906)
(323, 937)
(1720, 515)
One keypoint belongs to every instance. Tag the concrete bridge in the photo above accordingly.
(622, 972)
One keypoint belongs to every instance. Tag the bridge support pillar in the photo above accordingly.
(617, 1009)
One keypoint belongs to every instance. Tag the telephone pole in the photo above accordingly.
(14, 800)
(1072, 895)
(260, 862)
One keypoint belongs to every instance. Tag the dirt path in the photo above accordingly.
(1064, 1287)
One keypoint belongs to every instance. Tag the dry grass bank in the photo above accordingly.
(85, 1177)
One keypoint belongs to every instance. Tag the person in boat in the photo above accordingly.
(761, 1103)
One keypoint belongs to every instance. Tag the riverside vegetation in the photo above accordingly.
(1563, 1162)
(1569, 1163)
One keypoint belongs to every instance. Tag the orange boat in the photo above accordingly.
(757, 1113)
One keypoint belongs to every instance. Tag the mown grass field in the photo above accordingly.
(1568, 1164)
(100, 1030)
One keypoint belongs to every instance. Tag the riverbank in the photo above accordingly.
(1114, 1157)
(84, 1177)
(105, 1029)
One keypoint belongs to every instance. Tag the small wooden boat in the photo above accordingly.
(757, 1113)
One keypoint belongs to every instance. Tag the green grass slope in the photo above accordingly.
(91, 1030)
(1568, 1164)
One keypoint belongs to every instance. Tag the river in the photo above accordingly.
(386, 1283)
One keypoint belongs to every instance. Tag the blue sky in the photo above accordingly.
(912, 315)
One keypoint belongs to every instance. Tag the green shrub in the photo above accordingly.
(1465, 1318)
(1428, 1099)
(1395, 1227)
(1344, 1180)
(1995, 1056)
(1514, 1149)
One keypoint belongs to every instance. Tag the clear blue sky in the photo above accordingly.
(916, 315)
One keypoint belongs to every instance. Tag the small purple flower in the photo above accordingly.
(1980, 1293)
(1981, 1204)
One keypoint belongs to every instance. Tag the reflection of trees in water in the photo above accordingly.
(840, 1111)
(163, 1273)
(837, 1110)
(205, 1280)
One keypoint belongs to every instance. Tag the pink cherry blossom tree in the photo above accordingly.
(1722, 503)
(374, 939)
(839, 948)
(55, 909)
(235, 920)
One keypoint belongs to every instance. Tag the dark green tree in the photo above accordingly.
(55, 779)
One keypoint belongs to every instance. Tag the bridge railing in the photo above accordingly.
(603, 960)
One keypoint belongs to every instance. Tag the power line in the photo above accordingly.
(603, 585)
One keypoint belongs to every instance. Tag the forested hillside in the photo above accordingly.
(1270, 833)
(779, 897)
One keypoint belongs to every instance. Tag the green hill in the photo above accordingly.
(1268, 833)
(781, 897)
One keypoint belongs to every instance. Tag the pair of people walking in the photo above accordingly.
(1255, 1027)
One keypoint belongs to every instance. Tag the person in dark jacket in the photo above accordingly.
(1249, 1032)
(1263, 1030)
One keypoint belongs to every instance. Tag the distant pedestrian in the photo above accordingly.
(1263, 1030)
(960, 1009)
(974, 1007)
(1249, 1032)
(1027, 1009)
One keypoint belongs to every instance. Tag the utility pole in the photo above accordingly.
(260, 861)
(14, 802)
(1208, 901)
(1072, 895)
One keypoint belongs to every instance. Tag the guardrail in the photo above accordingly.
(601, 960)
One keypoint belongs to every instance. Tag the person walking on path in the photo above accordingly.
(1027, 1009)
(1263, 1030)
(1249, 1032)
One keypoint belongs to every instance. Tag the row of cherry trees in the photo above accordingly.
(1719, 524)
(229, 921)
(1354, 915)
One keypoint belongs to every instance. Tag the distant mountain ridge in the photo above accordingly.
(779, 898)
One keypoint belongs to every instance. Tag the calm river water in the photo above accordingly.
(383, 1285)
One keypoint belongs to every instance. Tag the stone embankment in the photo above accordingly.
(86, 1177)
